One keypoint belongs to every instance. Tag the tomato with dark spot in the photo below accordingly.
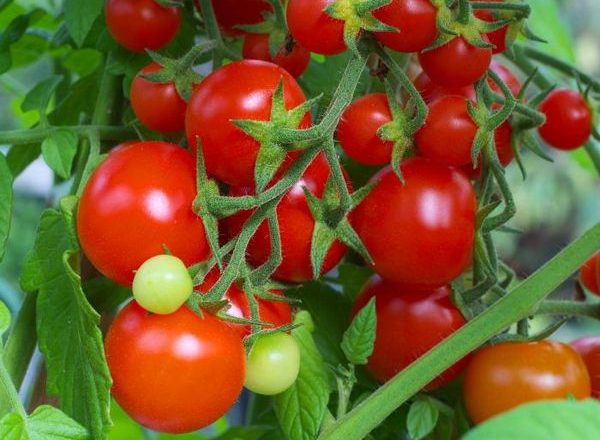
(589, 349)
(313, 28)
(294, 59)
(589, 274)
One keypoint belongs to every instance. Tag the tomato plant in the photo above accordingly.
(290, 56)
(313, 28)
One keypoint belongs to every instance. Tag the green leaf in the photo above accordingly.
(359, 339)
(6, 198)
(565, 420)
(5, 319)
(13, 33)
(80, 17)
(21, 156)
(39, 97)
(422, 417)
(68, 332)
(301, 408)
(45, 423)
(59, 150)
(83, 61)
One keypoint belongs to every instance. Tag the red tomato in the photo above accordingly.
(357, 130)
(138, 25)
(157, 105)
(589, 274)
(296, 226)
(456, 63)
(497, 37)
(273, 312)
(415, 21)
(589, 349)
(410, 321)
(240, 90)
(256, 47)
(313, 28)
(233, 13)
(174, 373)
(420, 232)
(568, 120)
(139, 199)
(503, 376)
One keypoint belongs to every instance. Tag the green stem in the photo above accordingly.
(594, 154)
(8, 389)
(214, 33)
(516, 305)
(526, 9)
(279, 13)
(569, 308)
(37, 135)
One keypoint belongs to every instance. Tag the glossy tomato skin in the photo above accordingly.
(139, 199)
(568, 120)
(410, 321)
(497, 37)
(233, 13)
(256, 47)
(157, 105)
(415, 21)
(589, 274)
(239, 90)
(141, 24)
(296, 226)
(314, 29)
(589, 349)
(174, 373)
(419, 233)
(503, 376)
(357, 130)
(456, 63)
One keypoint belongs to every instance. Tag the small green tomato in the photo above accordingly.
(162, 284)
(273, 364)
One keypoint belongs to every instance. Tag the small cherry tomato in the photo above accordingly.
(313, 28)
(294, 59)
(503, 376)
(273, 364)
(141, 24)
(589, 274)
(497, 37)
(589, 349)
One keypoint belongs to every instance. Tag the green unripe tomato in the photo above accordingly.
(273, 364)
(162, 284)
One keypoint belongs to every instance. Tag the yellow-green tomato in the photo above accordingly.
(273, 364)
(162, 284)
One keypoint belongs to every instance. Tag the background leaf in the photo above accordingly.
(4, 321)
(45, 423)
(359, 339)
(80, 17)
(6, 199)
(422, 418)
(59, 150)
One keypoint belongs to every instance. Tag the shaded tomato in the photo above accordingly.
(589, 349)
(503, 376)
(410, 321)
(231, 14)
(138, 25)
(174, 373)
(137, 201)
(295, 59)
(589, 274)
(242, 90)
(420, 232)
(497, 37)
(504, 150)
(313, 28)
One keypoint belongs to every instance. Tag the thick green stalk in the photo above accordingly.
(7, 388)
(569, 308)
(21, 341)
(37, 135)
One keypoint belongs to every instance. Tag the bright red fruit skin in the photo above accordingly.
(589, 349)
(256, 47)
(415, 21)
(139, 199)
(497, 37)
(589, 274)
(157, 105)
(456, 63)
(568, 120)
(313, 28)
(410, 321)
(357, 130)
(141, 24)
(296, 226)
(174, 373)
(420, 232)
(241, 90)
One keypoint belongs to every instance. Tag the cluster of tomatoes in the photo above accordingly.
(175, 371)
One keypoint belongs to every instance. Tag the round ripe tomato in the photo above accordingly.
(503, 376)
(174, 373)
(233, 13)
(456, 63)
(138, 25)
(357, 130)
(497, 37)
(256, 47)
(420, 232)
(137, 201)
(240, 90)
(410, 321)
(277, 313)
(589, 274)
(157, 105)
(313, 28)
(589, 349)
(296, 226)
(415, 21)
(568, 120)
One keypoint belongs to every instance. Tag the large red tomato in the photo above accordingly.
(136, 202)
(234, 13)
(240, 90)
(410, 321)
(174, 373)
(313, 28)
(503, 376)
(589, 349)
(420, 232)
(296, 225)
(295, 61)
(589, 274)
